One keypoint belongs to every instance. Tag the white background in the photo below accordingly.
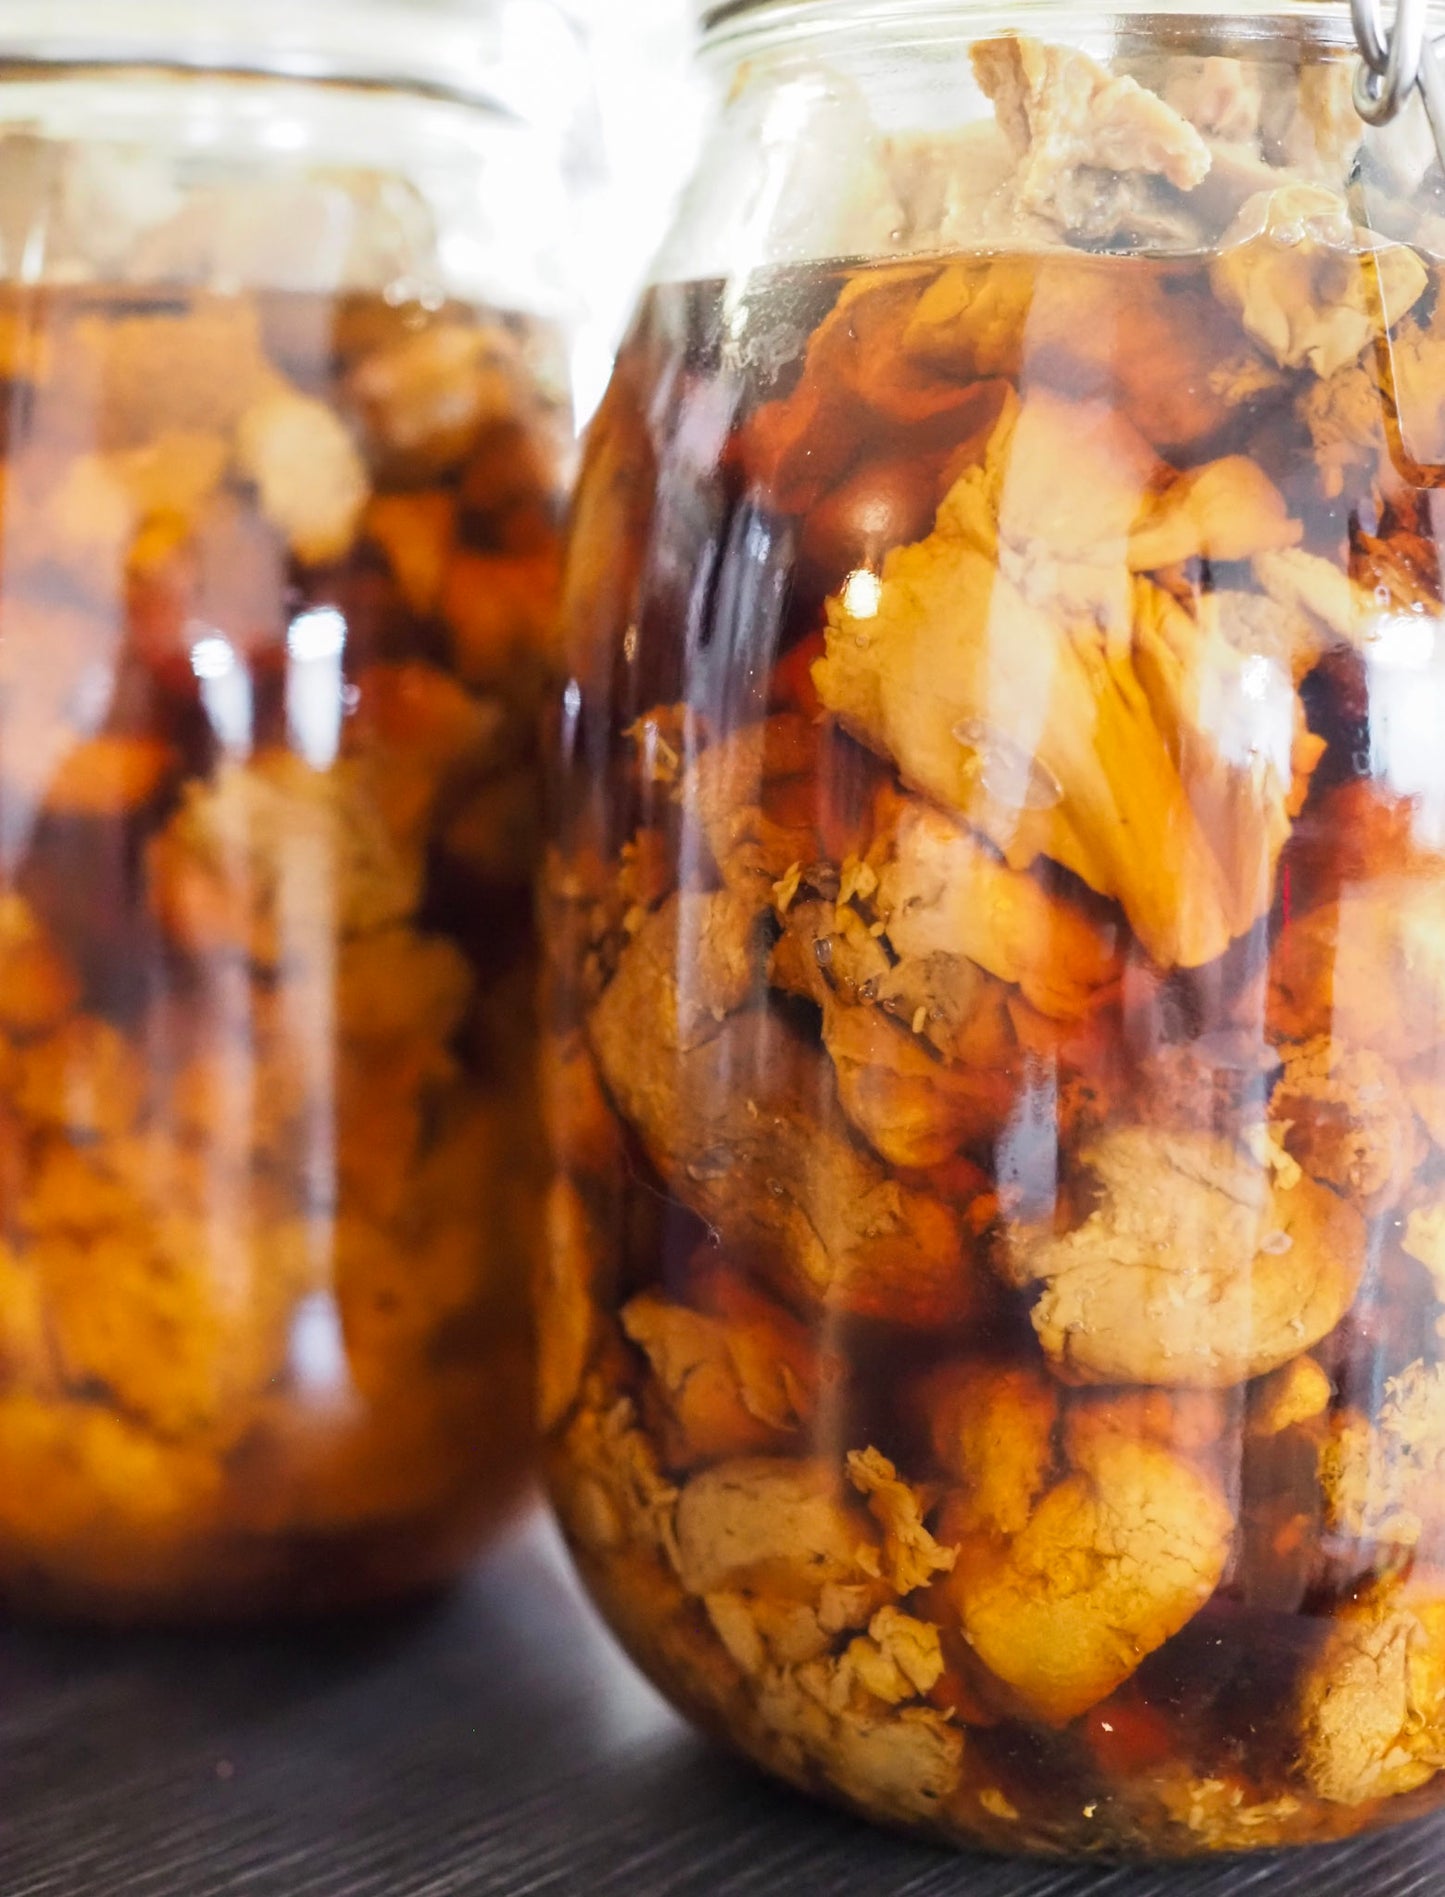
(651, 108)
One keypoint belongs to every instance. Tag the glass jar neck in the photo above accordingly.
(738, 29)
(486, 52)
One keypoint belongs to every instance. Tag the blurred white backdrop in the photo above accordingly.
(652, 106)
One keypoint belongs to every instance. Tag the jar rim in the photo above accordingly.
(452, 49)
(725, 21)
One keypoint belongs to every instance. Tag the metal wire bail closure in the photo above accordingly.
(1390, 62)
(1395, 62)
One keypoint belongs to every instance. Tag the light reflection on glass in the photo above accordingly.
(283, 134)
(318, 1347)
(226, 694)
(1405, 666)
(315, 704)
(319, 634)
(862, 592)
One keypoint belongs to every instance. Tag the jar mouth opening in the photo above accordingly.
(732, 24)
(471, 52)
(100, 60)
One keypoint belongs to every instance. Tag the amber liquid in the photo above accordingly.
(276, 609)
(755, 1048)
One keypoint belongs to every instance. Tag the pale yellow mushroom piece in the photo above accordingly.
(1383, 1480)
(1296, 1393)
(1088, 142)
(309, 475)
(1226, 510)
(1348, 1122)
(1372, 1702)
(1113, 1560)
(740, 1118)
(941, 893)
(766, 1524)
(733, 1375)
(1199, 1265)
(1310, 285)
(1014, 669)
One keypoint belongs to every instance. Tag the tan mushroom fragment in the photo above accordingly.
(1198, 1265)
(1372, 1703)
(731, 1374)
(797, 1586)
(1298, 1392)
(274, 858)
(1041, 317)
(1089, 144)
(1367, 969)
(1084, 1552)
(1346, 1119)
(737, 1115)
(942, 895)
(1310, 285)
(914, 966)
(1015, 670)
(1383, 1479)
(914, 1109)
(755, 797)
(310, 478)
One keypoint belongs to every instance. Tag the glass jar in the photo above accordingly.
(992, 1334)
(283, 319)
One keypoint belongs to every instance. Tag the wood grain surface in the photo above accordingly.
(493, 1744)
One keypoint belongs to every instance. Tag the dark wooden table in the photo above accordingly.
(493, 1744)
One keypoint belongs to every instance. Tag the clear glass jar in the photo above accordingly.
(992, 1336)
(283, 321)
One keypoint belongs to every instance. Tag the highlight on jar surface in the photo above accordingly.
(276, 613)
(992, 1336)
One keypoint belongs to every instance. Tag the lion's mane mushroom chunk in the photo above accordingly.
(763, 1521)
(1347, 1120)
(1308, 283)
(1198, 1265)
(780, 1555)
(1014, 667)
(943, 893)
(993, 1429)
(1372, 1703)
(902, 1763)
(1367, 968)
(732, 1375)
(799, 1582)
(1089, 144)
(1384, 1480)
(273, 858)
(755, 797)
(1109, 1545)
(914, 1109)
(741, 1119)
(1069, 329)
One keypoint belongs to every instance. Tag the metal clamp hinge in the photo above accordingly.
(1395, 62)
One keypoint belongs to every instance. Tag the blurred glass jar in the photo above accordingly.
(992, 1345)
(283, 323)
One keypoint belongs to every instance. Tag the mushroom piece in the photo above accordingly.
(1197, 1266)
(1372, 1702)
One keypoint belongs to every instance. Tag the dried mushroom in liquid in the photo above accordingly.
(1003, 852)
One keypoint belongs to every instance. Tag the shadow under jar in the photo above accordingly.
(284, 439)
(992, 1335)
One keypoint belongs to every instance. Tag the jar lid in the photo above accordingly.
(494, 53)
